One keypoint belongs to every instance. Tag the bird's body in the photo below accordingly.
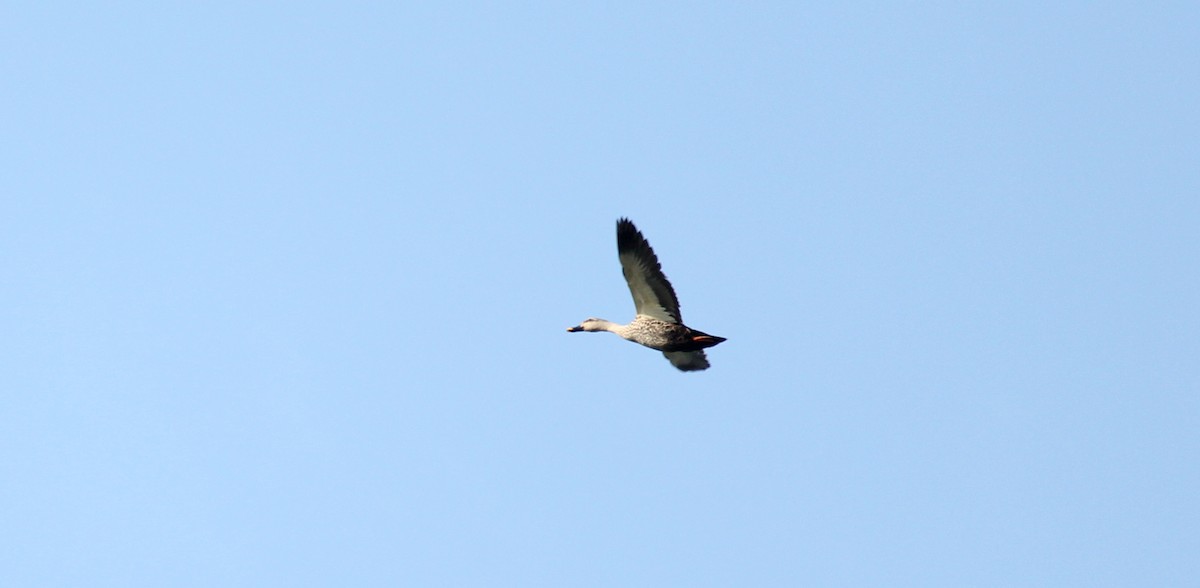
(658, 324)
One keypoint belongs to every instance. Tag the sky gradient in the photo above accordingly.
(286, 289)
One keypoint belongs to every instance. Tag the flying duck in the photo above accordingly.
(658, 324)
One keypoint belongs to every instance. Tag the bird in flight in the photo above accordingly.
(658, 324)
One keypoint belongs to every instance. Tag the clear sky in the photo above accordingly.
(285, 291)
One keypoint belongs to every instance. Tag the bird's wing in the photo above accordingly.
(652, 293)
(688, 361)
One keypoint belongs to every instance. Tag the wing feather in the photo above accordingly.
(652, 293)
(688, 361)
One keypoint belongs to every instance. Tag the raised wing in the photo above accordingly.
(652, 293)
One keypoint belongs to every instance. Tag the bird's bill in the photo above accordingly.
(575, 329)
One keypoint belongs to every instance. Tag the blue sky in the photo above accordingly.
(286, 289)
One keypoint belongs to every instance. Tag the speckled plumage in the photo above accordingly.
(659, 323)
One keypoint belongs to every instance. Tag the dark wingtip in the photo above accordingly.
(628, 235)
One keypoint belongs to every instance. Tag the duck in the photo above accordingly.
(658, 323)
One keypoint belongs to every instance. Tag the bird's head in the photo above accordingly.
(591, 325)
